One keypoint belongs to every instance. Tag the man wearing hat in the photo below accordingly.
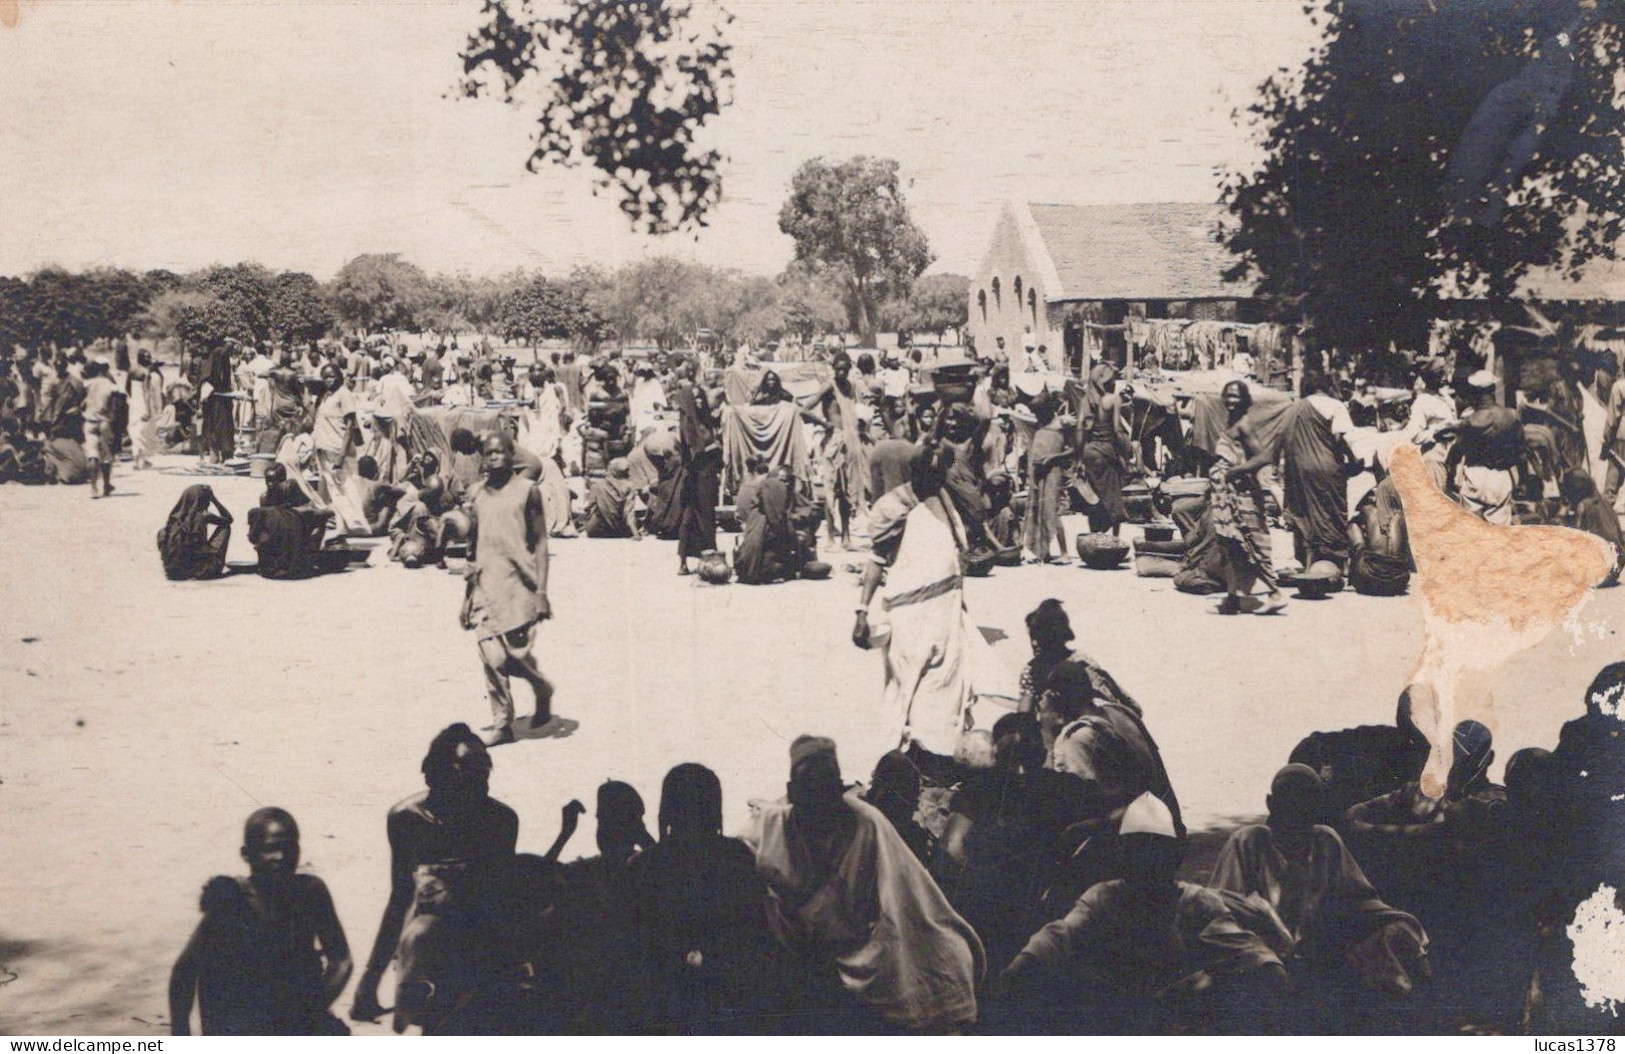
(1489, 444)
(845, 889)
(1145, 942)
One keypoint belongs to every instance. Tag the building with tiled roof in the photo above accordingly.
(1050, 270)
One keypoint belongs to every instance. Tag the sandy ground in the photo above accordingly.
(142, 720)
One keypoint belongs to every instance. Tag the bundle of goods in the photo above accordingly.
(1102, 552)
(1375, 574)
(1159, 559)
(1159, 554)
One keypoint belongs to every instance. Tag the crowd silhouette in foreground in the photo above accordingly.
(1046, 884)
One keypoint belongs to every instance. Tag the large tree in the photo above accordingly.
(191, 318)
(938, 303)
(459, 303)
(539, 310)
(379, 291)
(120, 297)
(663, 299)
(812, 302)
(62, 311)
(749, 308)
(243, 295)
(16, 310)
(625, 87)
(850, 218)
(1427, 150)
(299, 310)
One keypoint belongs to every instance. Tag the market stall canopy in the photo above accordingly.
(773, 433)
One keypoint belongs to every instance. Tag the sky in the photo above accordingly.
(182, 133)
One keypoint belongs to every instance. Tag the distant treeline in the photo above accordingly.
(662, 300)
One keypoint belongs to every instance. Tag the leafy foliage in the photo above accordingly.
(242, 294)
(117, 297)
(812, 301)
(16, 310)
(543, 309)
(379, 291)
(632, 84)
(1430, 150)
(193, 317)
(938, 303)
(299, 311)
(850, 218)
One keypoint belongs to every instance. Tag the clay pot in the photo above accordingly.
(1102, 552)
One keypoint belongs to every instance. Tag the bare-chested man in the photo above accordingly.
(443, 841)
(843, 460)
(269, 956)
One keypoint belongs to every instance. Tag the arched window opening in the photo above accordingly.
(981, 302)
(1017, 287)
(1032, 304)
(998, 299)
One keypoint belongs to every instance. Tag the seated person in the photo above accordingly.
(269, 956)
(21, 460)
(286, 531)
(1589, 765)
(461, 392)
(1379, 543)
(1589, 512)
(1358, 764)
(1003, 524)
(612, 504)
(770, 391)
(1439, 858)
(1049, 630)
(858, 908)
(894, 789)
(1293, 882)
(464, 472)
(378, 501)
(1144, 948)
(1007, 836)
(1466, 818)
(418, 537)
(697, 917)
(1104, 743)
(599, 949)
(192, 543)
(770, 549)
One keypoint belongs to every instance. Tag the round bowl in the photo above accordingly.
(1102, 552)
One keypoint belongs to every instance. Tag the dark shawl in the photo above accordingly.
(1317, 504)
(699, 475)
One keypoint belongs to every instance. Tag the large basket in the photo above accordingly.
(1102, 552)
(1157, 565)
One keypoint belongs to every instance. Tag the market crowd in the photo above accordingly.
(1035, 877)
(1046, 882)
(386, 441)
